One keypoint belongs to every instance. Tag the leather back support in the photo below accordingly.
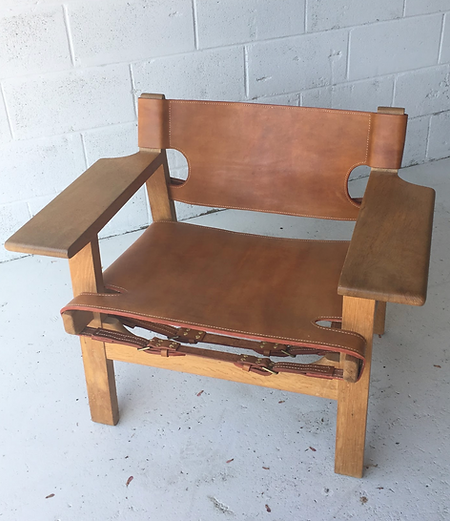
(268, 158)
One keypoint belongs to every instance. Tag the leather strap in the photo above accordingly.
(193, 336)
(167, 348)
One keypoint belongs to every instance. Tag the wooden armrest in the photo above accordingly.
(389, 253)
(78, 213)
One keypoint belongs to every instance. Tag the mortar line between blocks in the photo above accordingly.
(133, 90)
(427, 147)
(305, 18)
(69, 34)
(347, 69)
(441, 41)
(8, 115)
(30, 213)
(394, 89)
(194, 21)
(246, 82)
(83, 143)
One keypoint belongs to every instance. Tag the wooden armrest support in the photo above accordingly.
(78, 213)
(389, 253)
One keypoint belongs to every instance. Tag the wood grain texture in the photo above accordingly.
(396, 111)
(161, 205)
(358, 316)
(76, 215)
(380, 318)
(389, 253)
(86, 270)
(100, 382)
(226, 371)
(86, 275)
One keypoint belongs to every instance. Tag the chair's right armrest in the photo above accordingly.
(389, 253)
(77, 214)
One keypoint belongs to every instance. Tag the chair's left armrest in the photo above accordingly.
(389, 253)
(78, 213)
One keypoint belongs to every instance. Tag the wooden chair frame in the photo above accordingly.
(366, 280)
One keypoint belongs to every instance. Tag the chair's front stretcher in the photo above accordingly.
(392, 268)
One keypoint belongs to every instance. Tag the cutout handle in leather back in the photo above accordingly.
(280, 159)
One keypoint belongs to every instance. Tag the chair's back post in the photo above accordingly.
(161, 205)
(358, 316)
(86, 273)
(395, 111)
(380, 310)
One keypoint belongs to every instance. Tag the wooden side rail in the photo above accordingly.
(389, 253)
(76, 215)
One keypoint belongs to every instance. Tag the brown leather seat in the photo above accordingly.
(249, 286)
(252, 293)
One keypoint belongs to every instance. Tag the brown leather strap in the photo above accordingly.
(114, 337)
(167, 348)
(193, 336)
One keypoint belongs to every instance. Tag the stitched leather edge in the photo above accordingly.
(120, 312)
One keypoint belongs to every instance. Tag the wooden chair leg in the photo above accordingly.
(86, 274)
(380, 318)
(358, 316)
(100, 382)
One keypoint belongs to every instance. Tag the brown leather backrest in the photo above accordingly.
(269, 158)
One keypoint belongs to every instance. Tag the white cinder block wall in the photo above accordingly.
(70, 72)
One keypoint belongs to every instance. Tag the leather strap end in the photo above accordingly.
(153, 129)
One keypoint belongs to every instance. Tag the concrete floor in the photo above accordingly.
(204, 449)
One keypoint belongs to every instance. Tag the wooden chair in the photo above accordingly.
(261, 296)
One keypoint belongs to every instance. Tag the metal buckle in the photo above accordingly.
(271, 349)
(191, 336)
(268, 370)
(286, 352)
(158, 346)
(261, 366)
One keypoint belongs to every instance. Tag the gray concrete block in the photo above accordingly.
(65, 102)
(112, 141)
(118, 31)
(5, 133)
(416, 141)
(133, 216)
(395, 46)
(322, 16)
(33, 41)
(416, 7)
(115, 141)
(176, 160)
(445, 46)
(39, 167)
(425, 91)
(362, 95)
(12, 217)
(319, 98)
(439, 137)
(282, 99)
(234, 21)
(215, 74)
(297, 63)
(36, 204)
